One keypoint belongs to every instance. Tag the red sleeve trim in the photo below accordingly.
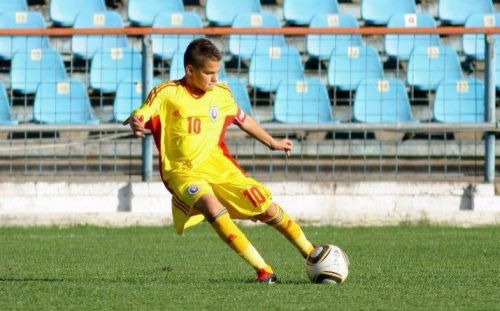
(240, 117)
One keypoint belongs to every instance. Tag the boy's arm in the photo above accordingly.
(250, 126)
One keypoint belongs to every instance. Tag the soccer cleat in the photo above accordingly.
(266, 277)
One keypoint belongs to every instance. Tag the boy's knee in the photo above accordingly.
(268, 214)
(209, 205)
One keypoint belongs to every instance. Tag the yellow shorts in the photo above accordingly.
(242, 196)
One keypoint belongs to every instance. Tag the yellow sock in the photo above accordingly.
(291, 230)
(232, 235)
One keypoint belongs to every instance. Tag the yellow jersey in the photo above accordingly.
(188, 130)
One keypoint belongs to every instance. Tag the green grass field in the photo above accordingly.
(405, 267)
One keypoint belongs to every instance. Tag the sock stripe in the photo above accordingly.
(219, 213)
(277, 218)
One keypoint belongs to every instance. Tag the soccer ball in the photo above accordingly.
(327, 264)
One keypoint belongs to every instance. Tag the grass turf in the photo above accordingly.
(405, 267)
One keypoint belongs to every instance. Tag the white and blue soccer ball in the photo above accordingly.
(327, 264)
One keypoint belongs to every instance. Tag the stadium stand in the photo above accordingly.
(382, 101)
(128, 97)
(240, 94)
(301, 12)
(6, 117)
(12, 20)
(13, 6)
(349, 65)
(428, 65)
(459, 101)
(456, 12)
(84, 46)
(164, 46)
(110, 66)
(321, 46)
(63, 102)
(29, 68)
(378, 12)
(473, 44)
(268, 66)
(400, 46)
(142, 13)
(243, 46)
(223, 12)
(302, 101)
(64, 12)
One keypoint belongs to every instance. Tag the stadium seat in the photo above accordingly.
(302, 101)
(320, 46)
(63, 102)
(164, 46)
(473, 44)
(240, 94)
(382, 101)
(400, 46)
(110, 66)
(84, 46)
(5, 112)
(456, 12)
(128, 97)
(459, 101)
(12, 20)
(301, 12)
(268, 66)
(244, 45)
(349, 65)
(378, 12)
(13, 6)
(64, 12)
(223, 12)
(177, 70)
(428, 65)
(31, 67)
(142, 13)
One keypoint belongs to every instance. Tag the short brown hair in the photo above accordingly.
(199, 50)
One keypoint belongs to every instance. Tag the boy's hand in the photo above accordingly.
(137, 125)
(282, 144)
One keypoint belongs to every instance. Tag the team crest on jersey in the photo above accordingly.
(193, 189)
(213, 112)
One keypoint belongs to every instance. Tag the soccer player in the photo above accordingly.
(188, 119)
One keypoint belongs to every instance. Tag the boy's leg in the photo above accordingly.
(278, 218)
(219, 218)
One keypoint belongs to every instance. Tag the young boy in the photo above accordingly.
(188, 119)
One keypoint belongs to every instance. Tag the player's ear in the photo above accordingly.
(189, 70)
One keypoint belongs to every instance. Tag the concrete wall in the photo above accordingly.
(351, 204)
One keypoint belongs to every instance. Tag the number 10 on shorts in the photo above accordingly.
(254, 196)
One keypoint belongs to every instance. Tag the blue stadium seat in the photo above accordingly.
(382, 101)
(428, 65)
(223, 12)
(269, 66)
(378, 12)
(5, 113)
(301, 12)
(13, 6)
(64, 12)
(142, 13)
(349, 65)
(240, 94)
(12, 20)
(28, 68)
(63, 102)
(473, 44)
(177, 71)
(128, 97)
(302, 101)
(164, 46)
(84, 46)
(456, 12)
(110, 66)
(321, 45)
(244, 45)
(400, 46)
(459, 101)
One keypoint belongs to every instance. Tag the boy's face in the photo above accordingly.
(205, 77)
